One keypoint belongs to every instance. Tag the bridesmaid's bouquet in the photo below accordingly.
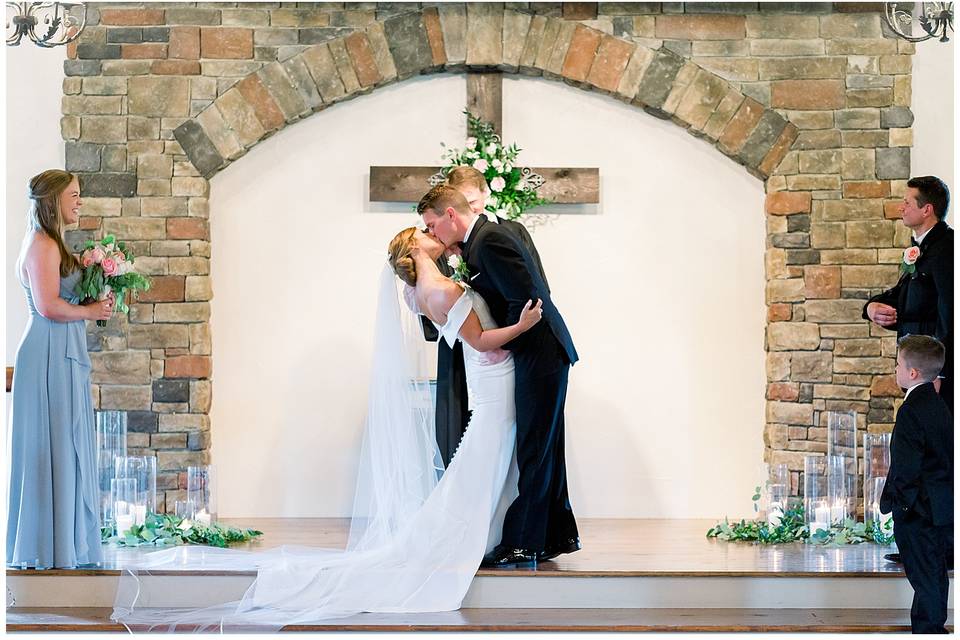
(108, 269)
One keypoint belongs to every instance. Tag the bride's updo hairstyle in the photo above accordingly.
(398, 253)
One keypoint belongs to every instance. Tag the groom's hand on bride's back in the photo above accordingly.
(495, 356)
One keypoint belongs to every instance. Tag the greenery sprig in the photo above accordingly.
(793, 528)
(160, 529)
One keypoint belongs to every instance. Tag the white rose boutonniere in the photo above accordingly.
(460, 271)
(910, 255)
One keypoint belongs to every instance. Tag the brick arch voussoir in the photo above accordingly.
(457, 38)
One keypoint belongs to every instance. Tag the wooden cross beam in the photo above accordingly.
(485, 100)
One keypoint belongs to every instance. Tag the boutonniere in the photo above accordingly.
(460, 271)
(909, 264)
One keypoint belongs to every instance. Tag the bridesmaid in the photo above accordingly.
(53, 509)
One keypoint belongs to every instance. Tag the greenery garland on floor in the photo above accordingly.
(793, 528)
(160, 529)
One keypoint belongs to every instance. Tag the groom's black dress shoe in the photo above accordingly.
(892, 557)
(552, 551)
(505, 558)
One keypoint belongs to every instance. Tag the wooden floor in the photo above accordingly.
(631, 620)
(611, 547)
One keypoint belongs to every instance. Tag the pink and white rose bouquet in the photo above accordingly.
(108, 270)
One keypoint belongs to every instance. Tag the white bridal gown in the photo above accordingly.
(427, 565)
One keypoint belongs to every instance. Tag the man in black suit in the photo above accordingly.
(922, 301)
(452, 414)
(539, 525)
(919, 486)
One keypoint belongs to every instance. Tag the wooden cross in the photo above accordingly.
(485, 100)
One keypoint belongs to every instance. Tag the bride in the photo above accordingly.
(415, 541)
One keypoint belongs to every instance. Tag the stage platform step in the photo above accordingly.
(642, 565)
(21, 619)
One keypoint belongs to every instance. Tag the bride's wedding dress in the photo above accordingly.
(410, 553)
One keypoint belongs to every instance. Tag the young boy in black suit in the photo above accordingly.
(919, 486)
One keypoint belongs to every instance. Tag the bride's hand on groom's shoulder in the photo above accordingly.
(531, 314)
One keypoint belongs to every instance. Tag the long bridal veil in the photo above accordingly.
(378, 571)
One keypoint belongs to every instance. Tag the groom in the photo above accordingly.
(539, 525)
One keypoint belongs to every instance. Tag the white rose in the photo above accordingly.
(497, 184)
(507, 168)
(454, 261)
(471, 143)
(497, 165)
(491, 149)
(481, 165)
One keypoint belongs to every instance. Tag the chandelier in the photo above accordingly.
(48, 24)
(935, 18)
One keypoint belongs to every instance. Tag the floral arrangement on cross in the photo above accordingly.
(513, 189)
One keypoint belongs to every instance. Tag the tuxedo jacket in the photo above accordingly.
(505, 273)
(452, 415)
(921, 459)
(924, 299)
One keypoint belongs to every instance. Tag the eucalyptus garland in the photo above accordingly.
(793, 528)
(161, 529)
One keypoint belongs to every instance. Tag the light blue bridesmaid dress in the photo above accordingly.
(53, 517)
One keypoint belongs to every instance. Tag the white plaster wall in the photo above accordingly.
(661, 285)
(933, 128)
(33, 88)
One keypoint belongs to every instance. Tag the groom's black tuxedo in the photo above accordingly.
(506, 274)
(452, 414)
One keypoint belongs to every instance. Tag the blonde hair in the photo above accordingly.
(398, 253)
(466, 176)
(441, 197)
(45, 215)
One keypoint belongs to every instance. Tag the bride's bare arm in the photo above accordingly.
(442, 299)
(490, 339)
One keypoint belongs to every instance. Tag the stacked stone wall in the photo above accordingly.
(812, 98)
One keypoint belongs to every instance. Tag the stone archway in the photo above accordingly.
(435, 40)
(159, 98)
